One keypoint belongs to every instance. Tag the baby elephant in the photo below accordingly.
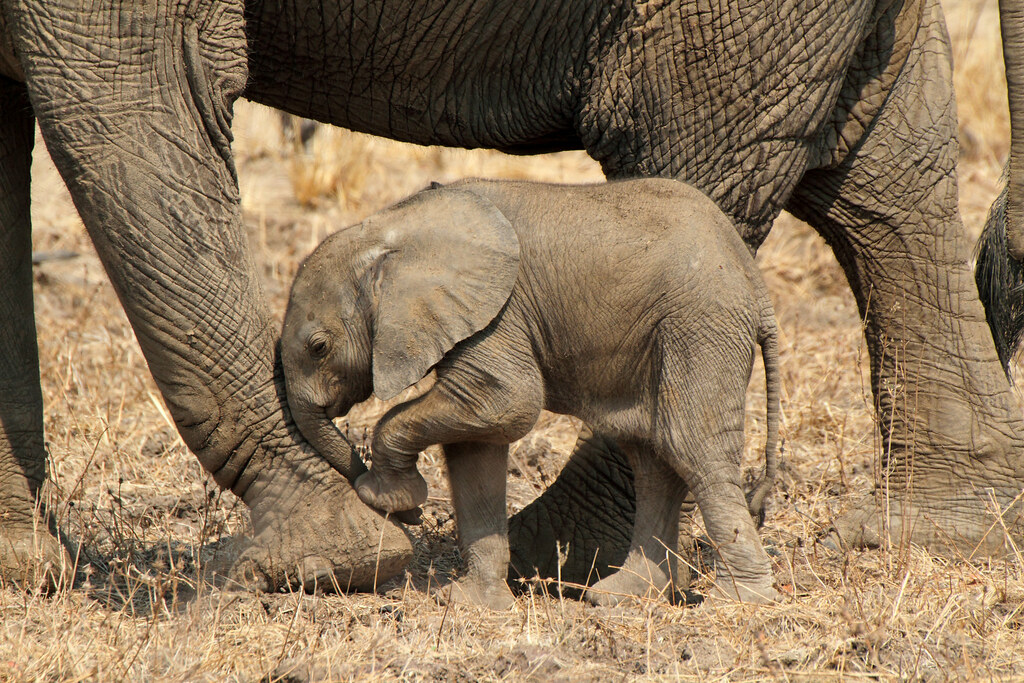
(633, 305)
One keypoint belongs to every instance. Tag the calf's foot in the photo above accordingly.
(469, 590)
(746, 592)
(392, 492)
(639, 578)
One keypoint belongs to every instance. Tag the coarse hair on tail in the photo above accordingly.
(1000, 280)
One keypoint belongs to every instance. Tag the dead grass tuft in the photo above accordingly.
(134, 499)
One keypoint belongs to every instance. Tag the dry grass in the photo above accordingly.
(132, 496)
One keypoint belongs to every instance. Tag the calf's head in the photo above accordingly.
(376, 305)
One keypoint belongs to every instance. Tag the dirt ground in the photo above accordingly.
(143, 515)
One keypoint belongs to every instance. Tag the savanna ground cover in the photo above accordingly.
(145, 518)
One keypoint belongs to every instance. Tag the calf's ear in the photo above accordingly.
(447, 264)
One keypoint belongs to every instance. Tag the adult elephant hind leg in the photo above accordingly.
(951, 430)
(649, 568)
(581, 526)
(29, 555)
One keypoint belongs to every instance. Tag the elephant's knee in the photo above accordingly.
(512, 414)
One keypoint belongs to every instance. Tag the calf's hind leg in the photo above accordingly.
(744, 572)
(700, 433)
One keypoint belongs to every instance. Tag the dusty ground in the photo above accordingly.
(141, 509)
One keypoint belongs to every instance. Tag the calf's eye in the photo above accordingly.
(318, 346)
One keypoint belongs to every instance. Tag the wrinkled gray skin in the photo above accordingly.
(634, 306)
(841, 112)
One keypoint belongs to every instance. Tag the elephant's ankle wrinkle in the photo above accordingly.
(486, 565)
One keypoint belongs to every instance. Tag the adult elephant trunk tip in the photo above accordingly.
(999, 273)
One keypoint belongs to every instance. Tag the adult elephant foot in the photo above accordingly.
(952, 468)
(33, 559)
(951, 474)
(312, 532)
(966, 519)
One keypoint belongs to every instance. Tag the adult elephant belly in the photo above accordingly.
(461, 74)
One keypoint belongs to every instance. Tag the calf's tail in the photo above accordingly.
(768, 340)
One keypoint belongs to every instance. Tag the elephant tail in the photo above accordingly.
(999, 274)
(1000, 280)
(768, 339)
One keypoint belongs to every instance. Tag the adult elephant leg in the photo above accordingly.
(952, 435)
(134, 103)
(580, 528)
(29, 554)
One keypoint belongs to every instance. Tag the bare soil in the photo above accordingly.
(144, 517)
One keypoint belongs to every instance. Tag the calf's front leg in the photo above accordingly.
(488, 395)
(476, 471)
(475, 420)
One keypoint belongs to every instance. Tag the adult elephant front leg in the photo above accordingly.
(29, 554)
(952, 433)
(134, 103)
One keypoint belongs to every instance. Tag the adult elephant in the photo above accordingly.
(841, 112)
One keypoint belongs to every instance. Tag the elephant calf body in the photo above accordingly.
(632, 305)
